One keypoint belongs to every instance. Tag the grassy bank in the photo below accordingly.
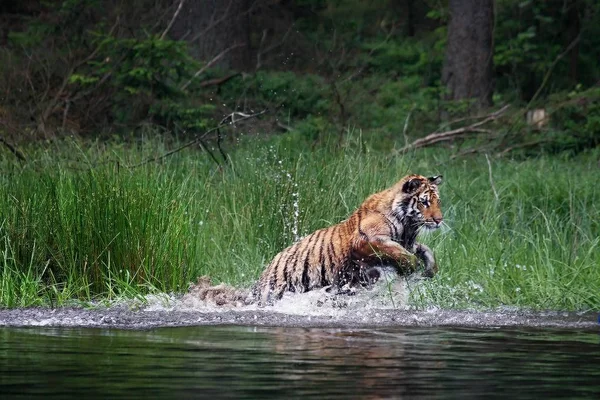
(527, 235)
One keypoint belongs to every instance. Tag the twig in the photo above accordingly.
(283, 126)
(448, 124)
(13, 149)
(262, 52)
(263, 38)
(375, 48)
(230, 119)
(340, 103)
(53, 103)
(516, 118)
(219, 146)
(520, 145)
(551, 68)
(213, 23)
(210, 64)
(210, 153)
(454, 133)
(491, 177)
(168, 28)
(458, 155)
(406, 125)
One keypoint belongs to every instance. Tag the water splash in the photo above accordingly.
(390, 292)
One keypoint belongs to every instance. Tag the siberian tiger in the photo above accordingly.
(383, 229)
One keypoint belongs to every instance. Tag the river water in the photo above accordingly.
(311, 345)
(291, 362)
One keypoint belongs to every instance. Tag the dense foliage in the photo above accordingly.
(109, 66)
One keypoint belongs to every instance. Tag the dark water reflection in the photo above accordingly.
(242, 362)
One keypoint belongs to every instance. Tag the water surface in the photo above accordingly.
(267, 362)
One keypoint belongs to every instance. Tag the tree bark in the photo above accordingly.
(468, 65)
(212, 26)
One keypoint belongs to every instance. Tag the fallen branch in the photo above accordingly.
(454, 133)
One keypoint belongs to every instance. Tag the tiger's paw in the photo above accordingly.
(425, 256)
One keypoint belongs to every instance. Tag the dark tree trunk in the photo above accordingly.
(213, 26)
(468, 64)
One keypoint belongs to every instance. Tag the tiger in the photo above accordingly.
(383, 230)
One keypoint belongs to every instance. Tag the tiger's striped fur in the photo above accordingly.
(383, 229)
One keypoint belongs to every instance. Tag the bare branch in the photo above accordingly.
(210, 64)
(172, 20)
(213, 23)
(13, 149)
(454, 133)
(228, 120)
(260, 53)
(263, 38)
(522, 145)
(219, 139)
(52, 105)
(551, 68)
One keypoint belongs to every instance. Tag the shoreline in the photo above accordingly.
(119, 317)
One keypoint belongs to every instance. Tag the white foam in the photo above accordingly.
(390, 292)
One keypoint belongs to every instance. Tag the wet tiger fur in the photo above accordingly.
(382, 230)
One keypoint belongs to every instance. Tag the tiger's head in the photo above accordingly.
(419, 200)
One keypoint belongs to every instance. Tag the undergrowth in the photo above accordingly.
(78, 223)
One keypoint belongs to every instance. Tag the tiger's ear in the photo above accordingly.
(412, 185)
(435, 180)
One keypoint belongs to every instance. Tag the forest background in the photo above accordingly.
(101, 68)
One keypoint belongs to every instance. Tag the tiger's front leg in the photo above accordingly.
(425, 254)
(381, 248)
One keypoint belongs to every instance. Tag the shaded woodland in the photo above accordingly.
(511, 75)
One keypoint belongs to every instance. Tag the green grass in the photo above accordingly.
(69, 232)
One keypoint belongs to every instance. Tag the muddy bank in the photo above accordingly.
(124, 318)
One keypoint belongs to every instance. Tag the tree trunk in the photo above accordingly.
(468, 64)
(213, 26)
